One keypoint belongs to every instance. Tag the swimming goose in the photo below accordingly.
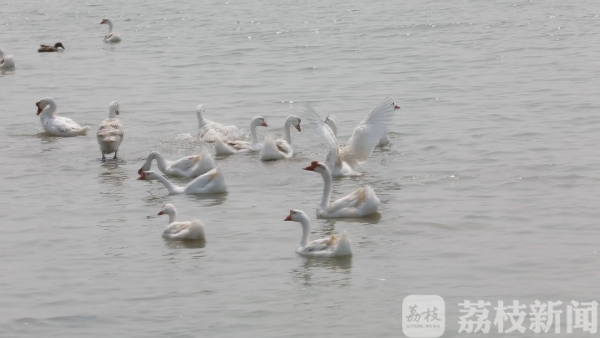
(6, 61)
(231, 146)
(333, 246)
(193, 229)
(110, 37)
(111, 133)
(57, 125)
(280, 149)
(210, 131)
(213, 182)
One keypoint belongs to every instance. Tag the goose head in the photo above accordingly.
(332, 123)
(294, 121)
(258, 121)
(43, 103)
(318, 167)
(167, 209)
(148, 176)
(59, 44)
(113, 109)
(395, 106)
(105, 22)
(296, 216)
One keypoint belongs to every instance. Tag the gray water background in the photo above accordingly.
(489, 190)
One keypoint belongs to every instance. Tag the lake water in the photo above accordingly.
(489, 190)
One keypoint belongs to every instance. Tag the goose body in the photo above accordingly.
(6, 61)
(230, 147)
(344, 161)
(360, 203)
(333, 246)
(50, 49)
(188, 230)
(189, 166)
(110, 37)
(209, 131)
(213, 182)
(57, 125)
(273, 150)
(110, 133)
(331, 121)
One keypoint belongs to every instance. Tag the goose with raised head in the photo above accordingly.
(331, 121)
(57, 125)
(110, 133)
(230, 147)
(333, 246)
(344, 161)
(213, 182)
(193, 229)
(273, 150)
(6, 61)
(189, 166)
(209, 131)
(110, 37)
(50, 49)
(360, 203)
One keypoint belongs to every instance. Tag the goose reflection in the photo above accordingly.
(186, 244)
(338, 273)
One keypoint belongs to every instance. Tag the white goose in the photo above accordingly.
(193, 229)
(213, 182)
(331, 121)
(110, 37)
(111, 132)
(210, 131)
(57, 125)
(189, 166)
(6, 61)
(344, 161)
(231, 147)
(280, 149)
(333, 246)
(360, 203)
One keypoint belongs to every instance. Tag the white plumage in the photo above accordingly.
(333, 246)
(209, 131)
(110, 133)
(280, 149)
(360, 203)
(6, 61)
(110, 37)
(193, 229)
(344, 161)
(213, 182)
(57, 125)
(229, 147)
(189, 166)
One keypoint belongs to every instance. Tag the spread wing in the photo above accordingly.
(368, 132)
(316, 124)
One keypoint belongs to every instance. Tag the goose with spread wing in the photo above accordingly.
(344, 161)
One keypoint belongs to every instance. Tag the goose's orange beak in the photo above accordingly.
(289, 218)
(39, 108)
(142, 176)
(396, 107)
(161, 213)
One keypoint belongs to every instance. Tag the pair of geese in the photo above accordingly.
(110, 132)
(368, 134)
(334, 246)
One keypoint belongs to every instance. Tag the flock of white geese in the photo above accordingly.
(207, 178)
